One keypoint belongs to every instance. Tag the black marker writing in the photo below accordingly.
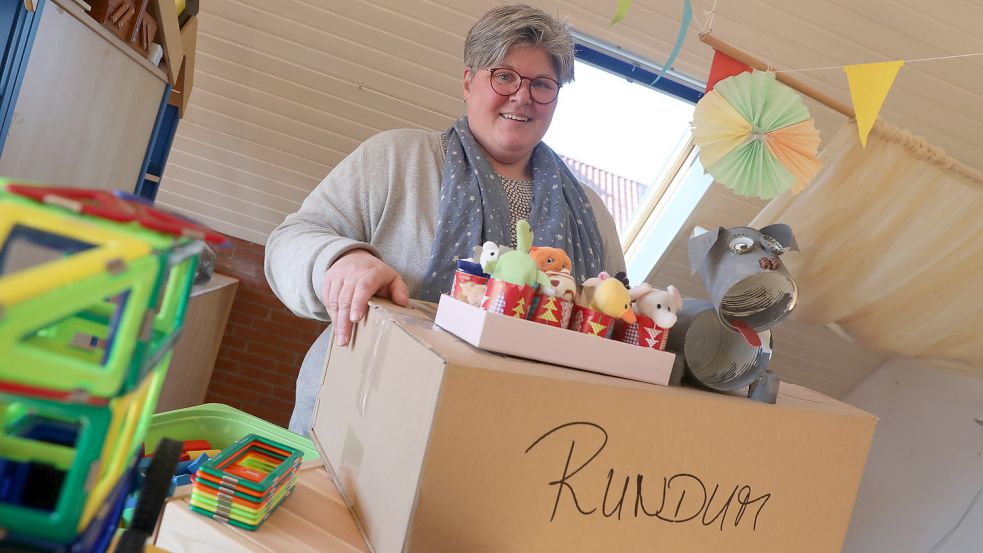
(562, 482)
(685, 496)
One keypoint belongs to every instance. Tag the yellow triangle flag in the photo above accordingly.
(869, 85)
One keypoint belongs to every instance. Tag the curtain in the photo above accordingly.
(891, 247)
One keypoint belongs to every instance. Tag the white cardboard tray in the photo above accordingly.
(556, 346)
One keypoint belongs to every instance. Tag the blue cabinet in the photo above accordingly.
(18, 26)
(160, 146)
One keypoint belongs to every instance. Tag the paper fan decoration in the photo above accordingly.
(756, 136)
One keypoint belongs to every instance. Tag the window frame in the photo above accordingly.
(637, 70)
(615, 60)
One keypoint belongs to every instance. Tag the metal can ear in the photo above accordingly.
(699, 246)
(783, 234)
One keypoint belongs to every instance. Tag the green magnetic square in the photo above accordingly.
(289, 458)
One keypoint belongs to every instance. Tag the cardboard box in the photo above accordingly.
(441, 447)
(557, 346)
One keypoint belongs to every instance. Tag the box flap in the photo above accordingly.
(377, 396)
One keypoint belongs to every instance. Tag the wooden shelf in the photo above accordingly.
(197, 347)
(71, 7)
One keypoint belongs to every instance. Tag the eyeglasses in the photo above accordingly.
(507, 82)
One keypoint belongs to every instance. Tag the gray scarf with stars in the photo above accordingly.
(474, 209)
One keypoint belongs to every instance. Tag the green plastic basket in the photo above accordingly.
(222, 426)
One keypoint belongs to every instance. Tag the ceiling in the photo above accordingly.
(940, 100)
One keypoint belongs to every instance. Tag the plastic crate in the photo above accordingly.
(222, 426)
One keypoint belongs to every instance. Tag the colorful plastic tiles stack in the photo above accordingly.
(93, 290)
(246, 482)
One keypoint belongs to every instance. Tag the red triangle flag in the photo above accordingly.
(723, 66)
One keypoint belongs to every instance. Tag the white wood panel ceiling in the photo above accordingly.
(285, 89)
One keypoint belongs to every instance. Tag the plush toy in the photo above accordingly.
(623, 278)
(551, 259)
(609, 296)
(470, 267)
(517, 266)
(563, 283)
(487, 252)
(472, 293)
(659, 305)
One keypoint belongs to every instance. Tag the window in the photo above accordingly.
(628, 137)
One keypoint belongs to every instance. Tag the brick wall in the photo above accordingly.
(264, 343)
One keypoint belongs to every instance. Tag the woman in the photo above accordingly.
(391, 219)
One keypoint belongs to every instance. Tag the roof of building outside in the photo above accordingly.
(621, 195)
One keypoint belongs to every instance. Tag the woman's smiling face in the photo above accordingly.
(509, 127)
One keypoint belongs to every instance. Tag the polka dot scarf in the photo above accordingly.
(474, 209)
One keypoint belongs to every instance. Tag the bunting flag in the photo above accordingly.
(620, 12)
(869, 85)
(724, 66)
(683, 27)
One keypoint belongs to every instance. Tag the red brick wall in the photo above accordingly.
(264, 343)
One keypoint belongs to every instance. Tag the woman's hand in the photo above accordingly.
(350, 282)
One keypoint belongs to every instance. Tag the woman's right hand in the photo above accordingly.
(349, 283)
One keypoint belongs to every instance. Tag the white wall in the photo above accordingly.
(926, 463)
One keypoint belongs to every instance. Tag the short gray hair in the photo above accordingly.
(517, 25)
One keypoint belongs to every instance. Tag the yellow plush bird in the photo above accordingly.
(613, 299)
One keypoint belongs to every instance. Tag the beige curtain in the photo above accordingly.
(891, 241)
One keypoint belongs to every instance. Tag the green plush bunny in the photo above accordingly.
(517, 266)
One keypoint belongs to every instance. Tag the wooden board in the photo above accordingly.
(170, 35)
(185, 80)
(313, 518)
